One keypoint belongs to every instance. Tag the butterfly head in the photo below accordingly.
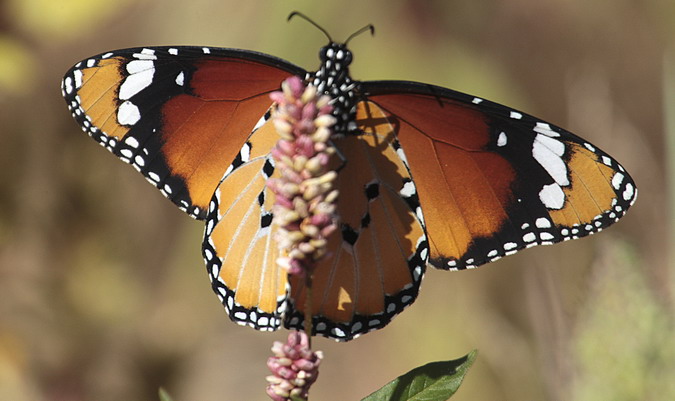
(336, 54)
(332, 77)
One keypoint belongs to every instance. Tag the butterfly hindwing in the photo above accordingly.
(239, 248)
(179, 115)
(377, 258)
(492, 180)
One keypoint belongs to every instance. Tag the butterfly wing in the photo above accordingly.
(377, 258)
(489, 180)
(184, 116)
(492, 180)
(179, 115)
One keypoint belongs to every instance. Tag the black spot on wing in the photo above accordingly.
(365, 220)
(266, 220)
(372, 190)
(349, 235)
(268, 168)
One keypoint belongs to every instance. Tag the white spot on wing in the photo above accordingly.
(529, 237)
(68, 85)
(628, 192)
(241, 316)
(501, 141)
(135, 83)
(420, 216)
(510, 245)
(131, 141)
(260, 123)
(128, 113)
(545, 129)
(617, 180)
(77, 74)
(146, 54)
(552, 196)
(545, 236)
(542, 222)
(408, 189)
(548, 151)
(401, 155)
(245, 152)
(137, 66)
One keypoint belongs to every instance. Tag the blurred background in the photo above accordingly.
(103, 293)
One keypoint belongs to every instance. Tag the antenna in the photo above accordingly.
(306, 18)
(369, 27)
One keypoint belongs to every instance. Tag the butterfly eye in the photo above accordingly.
(347, 57)
(323, 53)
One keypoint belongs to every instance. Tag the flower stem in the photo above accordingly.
(308, 307)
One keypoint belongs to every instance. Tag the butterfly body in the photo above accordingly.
(427, 176)
(333, 79)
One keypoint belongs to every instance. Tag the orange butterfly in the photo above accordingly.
(429, 176)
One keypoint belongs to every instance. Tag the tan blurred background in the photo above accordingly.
(103, 292)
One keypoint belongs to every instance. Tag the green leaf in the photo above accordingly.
(435, 381)
(163, 395)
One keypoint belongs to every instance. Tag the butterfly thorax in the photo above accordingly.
(332, 78)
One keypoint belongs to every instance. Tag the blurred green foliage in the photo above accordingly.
(164, 396)
(624, 345)
(104, 295)
(17, 66)
(64, 19)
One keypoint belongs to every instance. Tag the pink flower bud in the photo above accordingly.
(296, 378)
(277, 97)
(303, 181)
(309, 111)
(287, 147)
(296, 85)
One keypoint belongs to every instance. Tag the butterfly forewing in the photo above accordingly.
(179, 115)
(492, 180)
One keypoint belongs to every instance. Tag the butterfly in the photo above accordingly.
(429, 176)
